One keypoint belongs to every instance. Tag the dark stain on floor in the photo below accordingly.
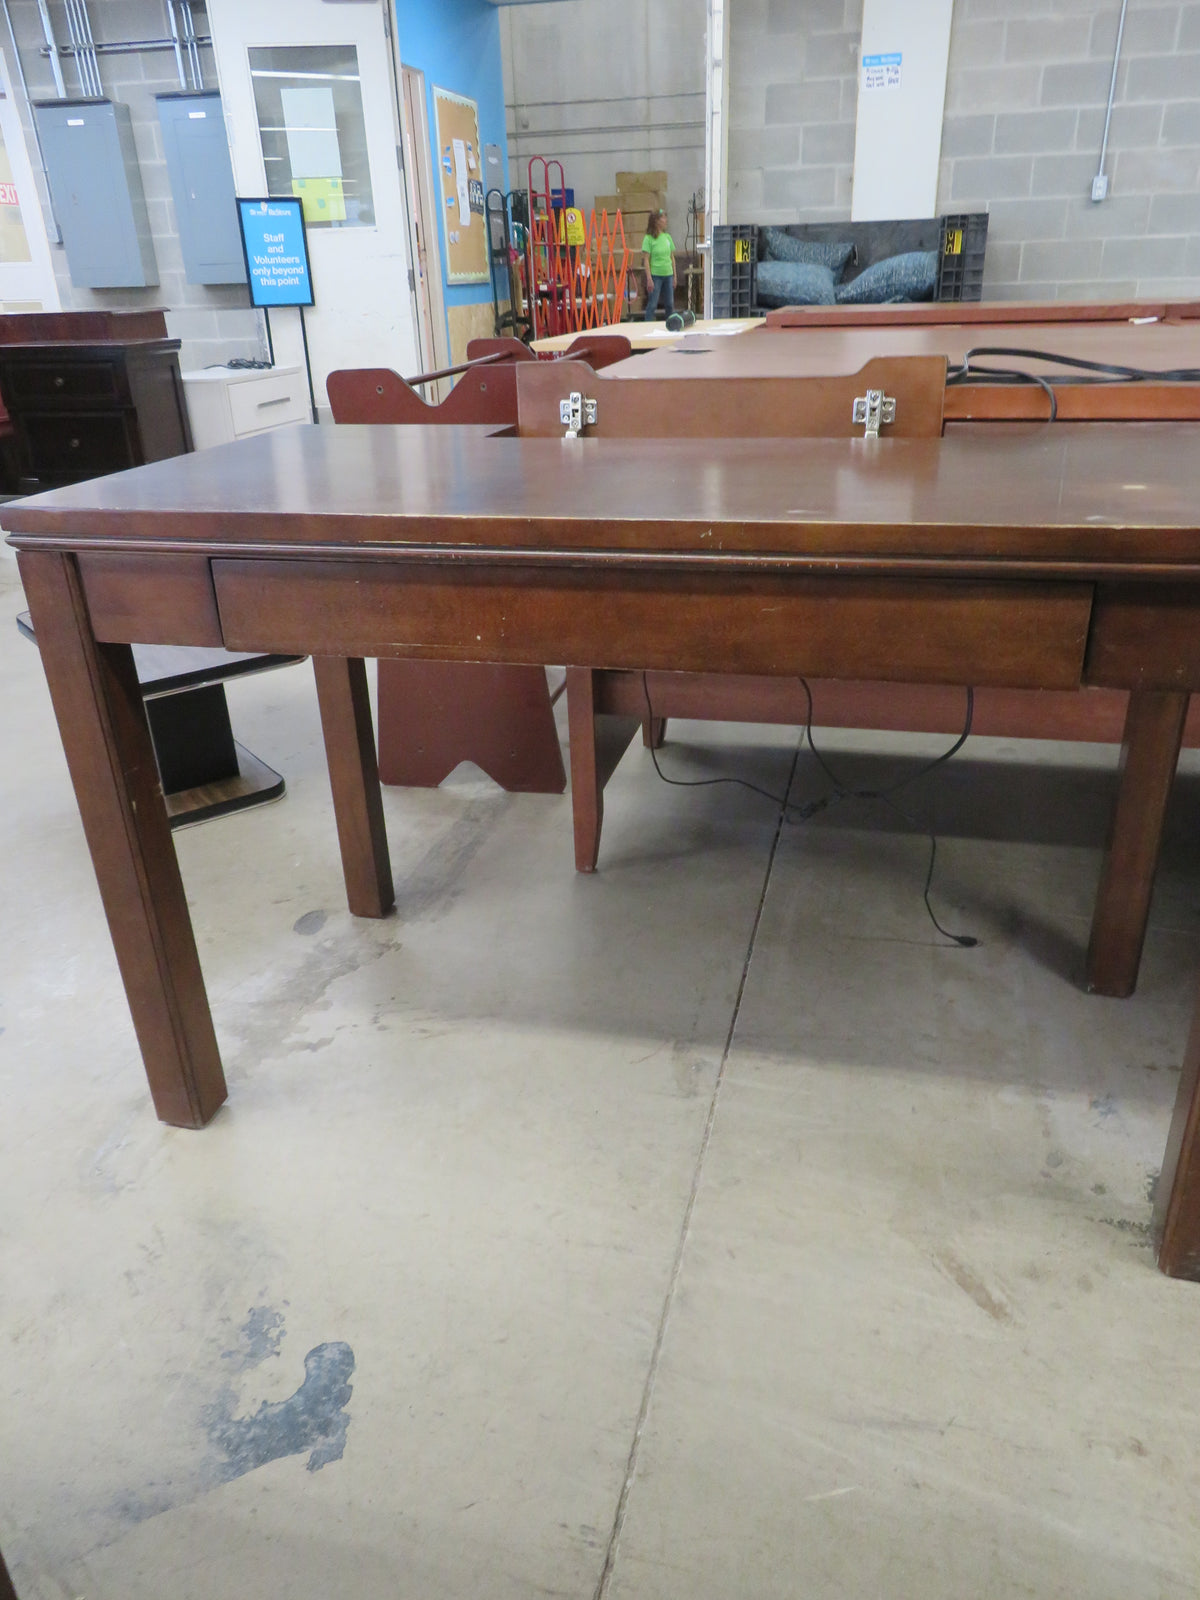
(313, 1419)
(262, 1335)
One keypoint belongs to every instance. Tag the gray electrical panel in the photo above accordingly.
(96, 188)
(201, 178)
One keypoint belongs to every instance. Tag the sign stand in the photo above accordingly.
(275, 245)
(312, 398)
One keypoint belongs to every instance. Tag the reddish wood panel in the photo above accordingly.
(1019, 635)
(98, 703)
(435, 714)
(82, 327)
(511, 349)
(759, 408)
(1074, 402)
(1146, 636)
(1149, 753)
(7, 1592)
(1093, 715)
(379, 395)
(145, 600)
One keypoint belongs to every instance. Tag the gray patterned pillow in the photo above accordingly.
(780, 246)
(794, 283)
(912, 276)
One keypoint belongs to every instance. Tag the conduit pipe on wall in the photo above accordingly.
(52, 44)
(189, 34)
(1100, 182)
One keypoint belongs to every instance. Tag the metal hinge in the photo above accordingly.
(412, 280)
(576, 413)
(873, 409)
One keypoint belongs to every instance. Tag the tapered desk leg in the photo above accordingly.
(354, 779)
(1177, 1197)
(7, 1592)
(598, 741)
(1149, 753)
(98, 703)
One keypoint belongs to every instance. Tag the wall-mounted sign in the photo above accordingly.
(882, 71)
(276, 248)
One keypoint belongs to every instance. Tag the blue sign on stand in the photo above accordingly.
(276, 248)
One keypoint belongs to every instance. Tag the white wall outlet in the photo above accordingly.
(1100, 186)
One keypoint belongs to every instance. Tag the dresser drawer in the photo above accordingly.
(268, 402)
(70, 381)
(68, 447)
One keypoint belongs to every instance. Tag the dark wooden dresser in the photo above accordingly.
(90, 392)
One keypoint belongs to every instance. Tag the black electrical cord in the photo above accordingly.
(1079, 371)
(794, 813)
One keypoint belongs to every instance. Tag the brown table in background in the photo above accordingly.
(1035, 564)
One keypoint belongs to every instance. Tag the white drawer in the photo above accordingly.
(268, 402)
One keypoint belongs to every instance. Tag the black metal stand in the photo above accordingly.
(312, 398)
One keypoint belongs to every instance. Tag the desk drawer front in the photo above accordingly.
(1012, 634)
(267, 403)
(69, 381)
(66, 447)
(1145, 637)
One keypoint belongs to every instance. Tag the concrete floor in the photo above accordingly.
(707, 1228)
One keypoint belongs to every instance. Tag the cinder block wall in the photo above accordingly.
(1025, 99)
(793, 97)
(214, 323)
(606, 87)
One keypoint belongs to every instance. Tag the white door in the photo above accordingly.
(27, 280)
(311, 108)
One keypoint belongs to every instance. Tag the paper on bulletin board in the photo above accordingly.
(458, 145)
(460, 183)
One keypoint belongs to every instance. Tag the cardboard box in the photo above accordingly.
(656, 181)
(642, 200)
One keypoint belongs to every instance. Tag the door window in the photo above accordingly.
(314, 139)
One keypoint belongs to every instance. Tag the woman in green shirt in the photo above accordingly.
(658, 264)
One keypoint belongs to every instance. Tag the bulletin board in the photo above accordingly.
(459, 158)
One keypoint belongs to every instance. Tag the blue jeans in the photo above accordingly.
(666, 288)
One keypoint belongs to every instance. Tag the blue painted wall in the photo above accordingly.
(456, 44)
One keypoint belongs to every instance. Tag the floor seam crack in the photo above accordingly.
(610, 1555)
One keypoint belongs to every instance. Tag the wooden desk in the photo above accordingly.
(822, 351)
(1054, 558)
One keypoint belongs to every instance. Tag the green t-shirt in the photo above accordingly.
(659, 250)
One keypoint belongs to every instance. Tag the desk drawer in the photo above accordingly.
(69, 447)
(1011, 635)
(269, 402)
(71, 381)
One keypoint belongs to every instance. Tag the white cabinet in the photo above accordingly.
(227, 403)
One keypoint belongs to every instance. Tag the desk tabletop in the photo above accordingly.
(1095, 495)
(651, 335)
(819, 351)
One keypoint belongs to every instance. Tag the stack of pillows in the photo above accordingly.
(807, 272)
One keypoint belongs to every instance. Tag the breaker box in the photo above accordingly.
(96, 186)
(201, 177)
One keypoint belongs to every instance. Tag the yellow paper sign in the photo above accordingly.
(571, 229)
(322, 199)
